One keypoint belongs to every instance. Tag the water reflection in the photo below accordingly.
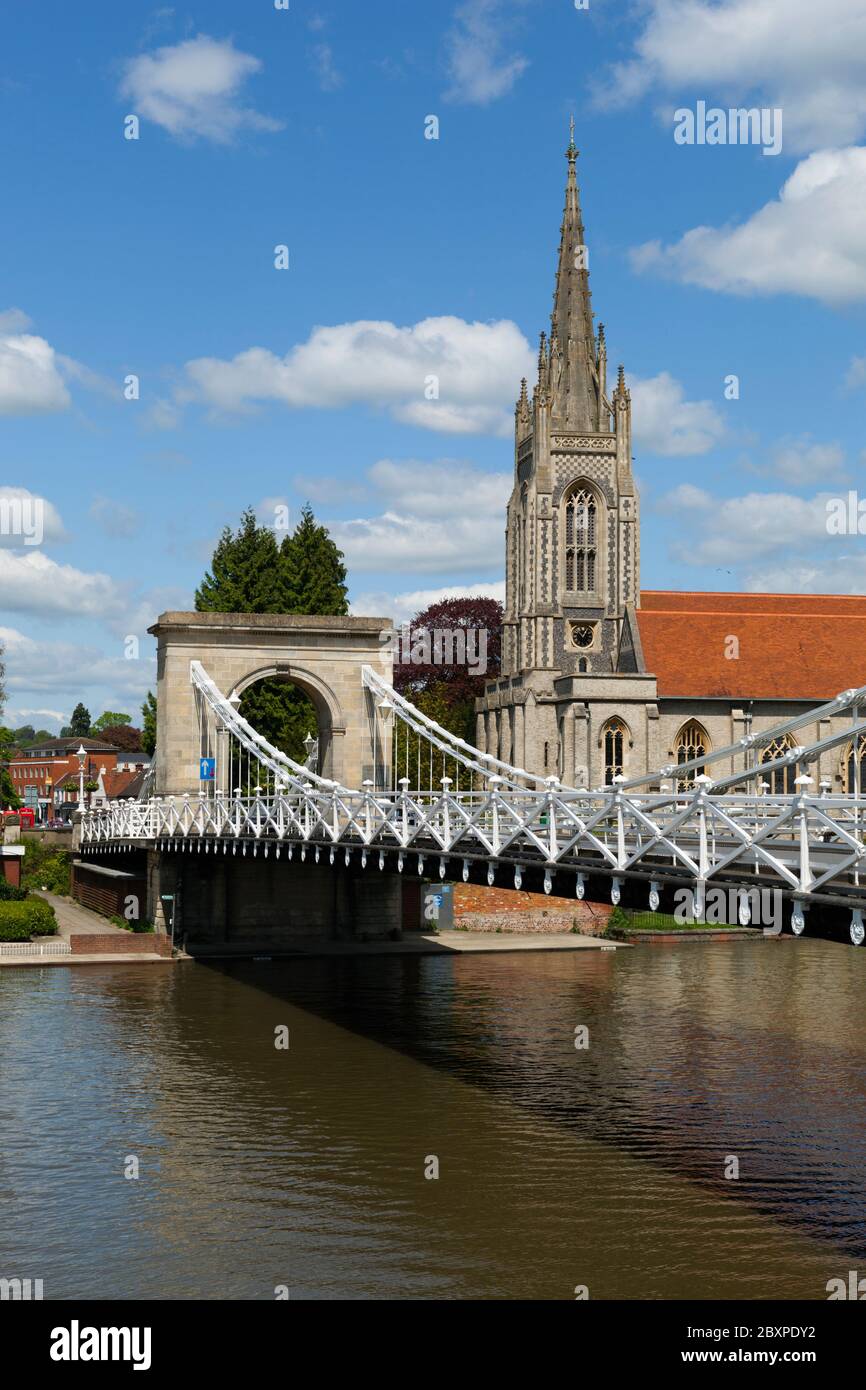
(558, 1167)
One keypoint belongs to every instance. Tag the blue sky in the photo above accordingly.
(261, 127)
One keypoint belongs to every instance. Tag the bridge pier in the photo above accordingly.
(235, 903)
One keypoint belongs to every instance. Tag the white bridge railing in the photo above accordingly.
(812, 848)
(731, 832)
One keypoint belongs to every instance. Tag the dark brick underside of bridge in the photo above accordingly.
(242, 902)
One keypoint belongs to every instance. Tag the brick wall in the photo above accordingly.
(120, 944)
(479, 908)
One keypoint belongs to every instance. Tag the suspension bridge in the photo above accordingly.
(438, 807)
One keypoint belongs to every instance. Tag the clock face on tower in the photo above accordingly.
(582, 635)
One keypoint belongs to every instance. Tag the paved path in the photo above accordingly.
(460, 942)
(72, 917)
(423, 944)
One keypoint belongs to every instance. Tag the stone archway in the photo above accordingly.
(330, 718)
(322, 655)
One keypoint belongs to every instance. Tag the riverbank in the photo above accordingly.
(422, 944)
(85, 938)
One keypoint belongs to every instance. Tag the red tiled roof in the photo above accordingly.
(122, 784)
(791, 646)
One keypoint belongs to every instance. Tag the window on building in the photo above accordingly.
(522, 557)
(850, 781)
(614, 736)
(692, 742)
(581, 541)
(781, 779)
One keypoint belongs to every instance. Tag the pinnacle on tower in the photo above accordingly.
(575, 403)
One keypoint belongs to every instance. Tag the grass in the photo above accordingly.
(621, 922)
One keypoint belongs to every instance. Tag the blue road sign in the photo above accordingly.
(207, 769)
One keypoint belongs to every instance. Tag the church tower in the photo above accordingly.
(572, 536)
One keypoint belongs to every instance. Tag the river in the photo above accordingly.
(558, 1167)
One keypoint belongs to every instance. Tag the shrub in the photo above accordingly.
(21, 920)
(135, 925)
(10, 894)
(618, 925)
(46, 867)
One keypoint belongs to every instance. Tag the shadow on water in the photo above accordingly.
(558, 1166)
(697, 1055)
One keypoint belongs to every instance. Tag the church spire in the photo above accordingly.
(574, 379)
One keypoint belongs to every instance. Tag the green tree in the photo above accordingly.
(312, 573)
(244, 573)
(109, 720)
(250, 574)
(148, 728)
(8, 795)
(79, 724)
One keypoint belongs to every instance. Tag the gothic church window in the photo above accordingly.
(850, 780)
(614, 735)
(581, 541)
(692, 742)
(781, 779)
(523, 558)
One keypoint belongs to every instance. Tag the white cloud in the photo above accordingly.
(14, 321)
(476, 368)
(67, 671)
(404, 606)
(843, 573)
(329, 490)
(36, 717)
(441, 516)
(751, 529)
(856, 373)
(809, 241)
(114, 518)
(803, 463)
(162, 415)
(192, 89)
(666, 423)
(27, 520)
(30, 381)
(324, 67)
(479, 66)
(807, 58)
(32, 583)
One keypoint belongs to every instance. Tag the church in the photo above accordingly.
(599, 678)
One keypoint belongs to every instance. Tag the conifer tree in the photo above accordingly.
(244, 574)
(250, 574)
(312, 573)
(79, 724)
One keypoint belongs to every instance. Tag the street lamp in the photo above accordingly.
(81, 755)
